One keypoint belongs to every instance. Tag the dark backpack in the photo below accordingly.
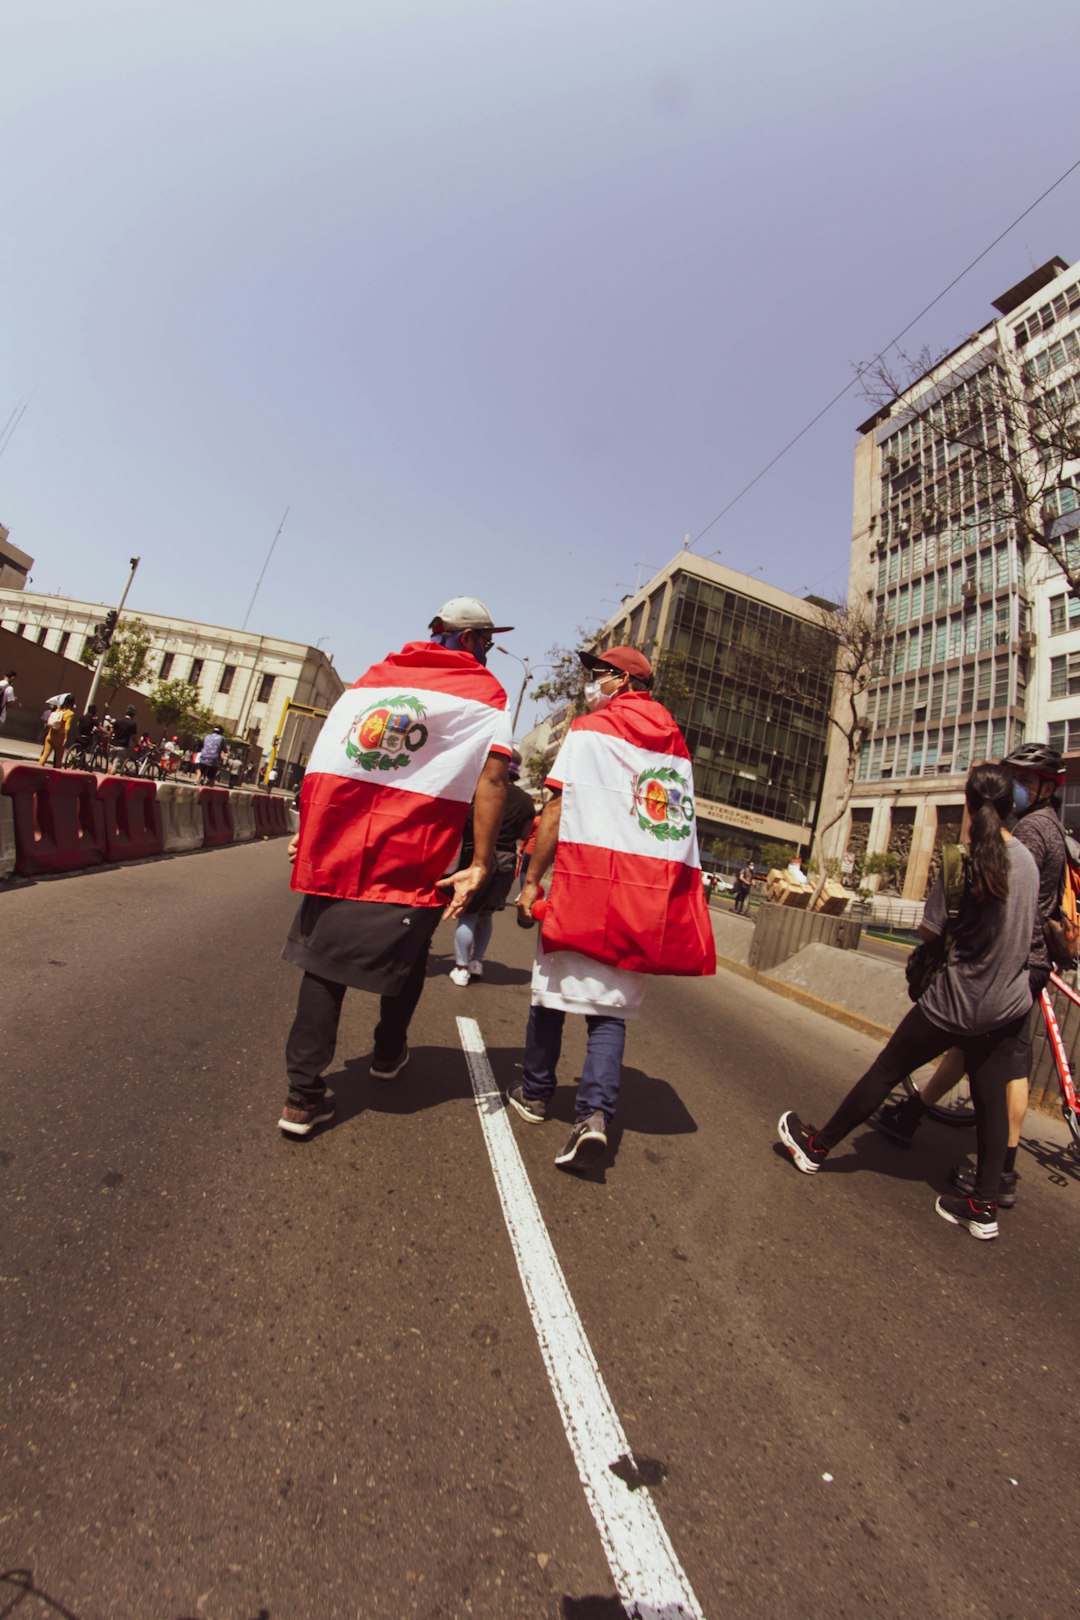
(1062, 931)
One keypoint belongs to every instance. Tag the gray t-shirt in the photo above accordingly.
(1040, 832)
(985, 982)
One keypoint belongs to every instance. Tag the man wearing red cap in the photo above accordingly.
(626, 898)
(382, 809)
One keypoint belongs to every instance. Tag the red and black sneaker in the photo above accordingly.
(980, 1219)
(799, 1141)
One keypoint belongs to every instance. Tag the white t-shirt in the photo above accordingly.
(7, 695)
(575, 983)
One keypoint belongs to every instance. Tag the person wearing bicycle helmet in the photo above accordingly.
(1037, 771)
(979, 1001)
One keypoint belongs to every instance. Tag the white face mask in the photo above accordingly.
(596, 697)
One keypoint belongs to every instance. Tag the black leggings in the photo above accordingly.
(991, 1061)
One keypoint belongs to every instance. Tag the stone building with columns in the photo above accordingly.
(982, 646)
(243, 678)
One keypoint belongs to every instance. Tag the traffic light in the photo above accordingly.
(107, 630)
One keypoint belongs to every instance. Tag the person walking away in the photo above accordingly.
(210, 755)
(7, 695)
(473, 933)
(626, 898)
(1038, 773)
(85, 728)
(382, 812)
(122, 740)
(743, 885)
(979, 1001)
(56, 729)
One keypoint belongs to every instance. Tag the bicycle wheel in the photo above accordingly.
(955, 1108)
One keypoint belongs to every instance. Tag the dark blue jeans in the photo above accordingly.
(599, 1087)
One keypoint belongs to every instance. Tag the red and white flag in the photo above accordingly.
(392, 775)
(626, 885)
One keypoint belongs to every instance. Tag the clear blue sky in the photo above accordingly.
(498, 297)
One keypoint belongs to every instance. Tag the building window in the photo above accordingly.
(166, 666)
(1064, 614)
(42, 633)
(1065, 675)
(266, 686)
(20, 629)
(227, 673)
(196, 671)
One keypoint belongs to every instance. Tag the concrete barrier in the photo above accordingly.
(279, 818)
(181, 817)
(780, 931)
(7, 834)
(243, 815)
(217, 816)
(131, 816)
(59, 824)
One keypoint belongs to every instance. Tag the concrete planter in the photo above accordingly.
(780, 931)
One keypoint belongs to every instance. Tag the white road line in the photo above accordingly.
(648, 1576)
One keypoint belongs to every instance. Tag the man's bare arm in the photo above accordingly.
(547, 840)
(488, 806)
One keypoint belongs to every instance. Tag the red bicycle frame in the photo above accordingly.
(1069, 1106)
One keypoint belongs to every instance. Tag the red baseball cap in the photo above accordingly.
(619, 661)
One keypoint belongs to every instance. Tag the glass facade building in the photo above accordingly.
(747, 671)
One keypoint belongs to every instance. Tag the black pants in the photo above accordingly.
(313, 1037)
(991, 1061)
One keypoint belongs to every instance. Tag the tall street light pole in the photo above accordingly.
(524, 662)
(95, 683)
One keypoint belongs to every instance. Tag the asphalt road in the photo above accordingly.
(252, 1377)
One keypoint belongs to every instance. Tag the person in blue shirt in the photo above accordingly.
(210, 758)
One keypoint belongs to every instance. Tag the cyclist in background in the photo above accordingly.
(1038, 771)
(980, 1002)
(122, 741)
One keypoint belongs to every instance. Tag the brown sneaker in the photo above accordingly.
(534, 1109)
(297, 1120)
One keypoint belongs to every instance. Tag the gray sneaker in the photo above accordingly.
(586, 1143)
(534, 1109)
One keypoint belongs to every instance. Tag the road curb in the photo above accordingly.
(791, 992)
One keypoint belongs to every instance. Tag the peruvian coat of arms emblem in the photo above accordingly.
(386, 736)
(663, 803)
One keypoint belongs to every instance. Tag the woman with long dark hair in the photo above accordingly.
(979, 1002)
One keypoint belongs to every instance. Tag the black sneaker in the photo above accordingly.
(386, 1068)
(585, 1144)
(799, 1141)
(300, 1119)
(898, 1122)
(534, 1109)
(980, 1219)
(962, 1176)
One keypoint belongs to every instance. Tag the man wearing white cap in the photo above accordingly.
(387, 789)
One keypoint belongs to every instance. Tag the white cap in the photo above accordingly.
(467, 613)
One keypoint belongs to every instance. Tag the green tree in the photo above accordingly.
(776, 855)
(176, 704)
(126, 659)
(567, 677)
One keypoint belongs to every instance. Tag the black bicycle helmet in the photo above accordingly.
(1039, 758)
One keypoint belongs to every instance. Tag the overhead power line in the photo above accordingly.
(862, 370)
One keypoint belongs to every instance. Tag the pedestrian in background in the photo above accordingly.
(7, 694)
(626, 897)
(744, 883)
(122, 740)
(56, 729)
(382, 810)
(473, 933)
(210, 755)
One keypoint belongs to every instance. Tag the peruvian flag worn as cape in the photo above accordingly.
(392, 774)
(626, 885)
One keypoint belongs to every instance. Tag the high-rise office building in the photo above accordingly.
(982, 638)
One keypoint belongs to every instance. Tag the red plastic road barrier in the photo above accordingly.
(279, 820)
(217, 816)
(59, 824)
(260, 804)
(132, 817)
